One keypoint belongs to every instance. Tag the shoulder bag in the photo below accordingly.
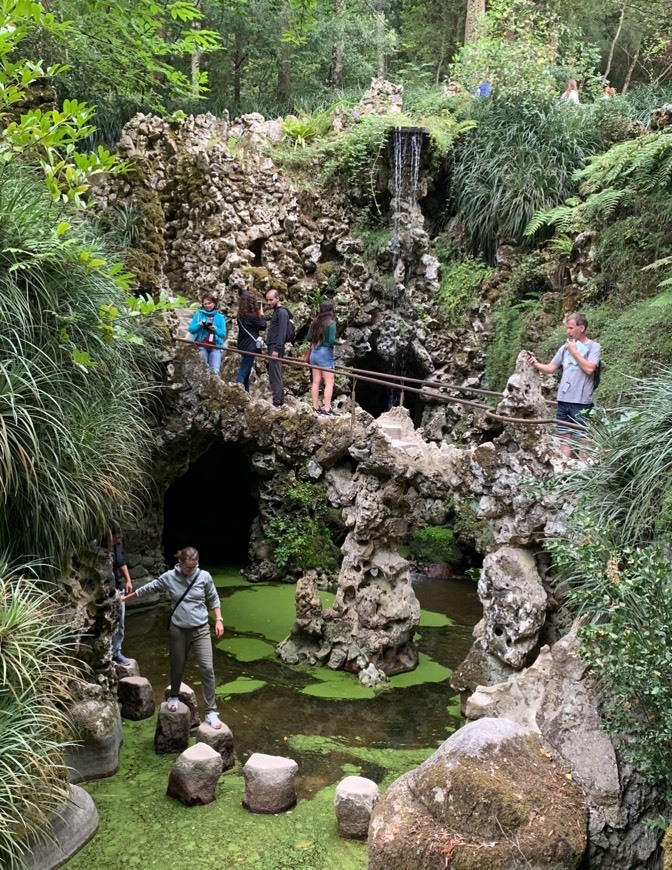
(258, 341)
(172, 612)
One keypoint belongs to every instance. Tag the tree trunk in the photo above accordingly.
(613, 43)
(631, 69)
(475, 8)
(195, 72)
(195, 59)
(380, 43)
(238, 62)
(337, 51)
(284, 75)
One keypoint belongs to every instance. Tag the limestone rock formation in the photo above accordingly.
(488, 797)
(514, 604)
(555, 698)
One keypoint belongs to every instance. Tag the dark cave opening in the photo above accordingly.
(376, 399)
(256, 246)
(212, 507)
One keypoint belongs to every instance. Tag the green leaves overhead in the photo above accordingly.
(129, 49)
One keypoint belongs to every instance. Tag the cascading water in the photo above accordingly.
(406, 146)
(406, 150)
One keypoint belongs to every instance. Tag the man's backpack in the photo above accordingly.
(291, 327)
(597, 374)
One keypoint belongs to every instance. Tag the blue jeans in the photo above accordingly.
(118, 638)
(243, 376)
(213, 357)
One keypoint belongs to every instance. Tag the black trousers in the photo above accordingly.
(275, 380)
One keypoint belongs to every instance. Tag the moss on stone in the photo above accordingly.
(141, 827)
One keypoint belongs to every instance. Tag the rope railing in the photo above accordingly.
(401, 383)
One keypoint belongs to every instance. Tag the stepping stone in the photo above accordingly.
(220, 739)
(355, 799)
(136, 697)
(172, 730)
(269, 783)
(132, 670)
(188, 697)
(194, 775)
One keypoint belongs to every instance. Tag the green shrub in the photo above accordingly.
(458, 291)
(375, 238)
(304, 535)
(350, 159)
(37, 678)
(614, 560)
(74, 437)
(510, 337)
(303, 130)
(436, 545)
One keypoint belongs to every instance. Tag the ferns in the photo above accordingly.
(644, 163)
(575, 216)
(627, 173)
(561, 218)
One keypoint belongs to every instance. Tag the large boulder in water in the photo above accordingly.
(488, 797)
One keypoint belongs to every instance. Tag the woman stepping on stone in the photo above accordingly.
(192, 593)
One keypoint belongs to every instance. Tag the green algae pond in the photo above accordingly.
(325, 720)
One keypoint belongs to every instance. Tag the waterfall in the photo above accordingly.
(406, 148)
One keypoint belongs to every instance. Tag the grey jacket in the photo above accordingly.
(193, 610)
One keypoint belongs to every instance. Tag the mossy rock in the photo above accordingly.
(263, 280)
(488, 797)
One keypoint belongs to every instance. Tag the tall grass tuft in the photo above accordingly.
(75, 371)
(629, 490)
(520, 158)
(37, 676)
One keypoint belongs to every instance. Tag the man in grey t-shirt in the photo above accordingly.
(578, 358)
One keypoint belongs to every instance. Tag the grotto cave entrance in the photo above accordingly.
(212, 507)
(376, 399)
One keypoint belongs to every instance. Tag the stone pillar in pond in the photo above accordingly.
(375, 612)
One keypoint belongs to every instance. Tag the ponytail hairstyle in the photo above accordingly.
(318, 327)
(190, 553)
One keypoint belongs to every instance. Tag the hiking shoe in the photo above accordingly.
(121, 660)
(319, 412)
(330, 413)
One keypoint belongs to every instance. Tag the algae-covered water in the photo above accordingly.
(325, 720)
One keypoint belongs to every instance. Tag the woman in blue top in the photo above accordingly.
(209, 328)
(322, 338)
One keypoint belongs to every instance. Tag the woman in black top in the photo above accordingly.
(250, 323)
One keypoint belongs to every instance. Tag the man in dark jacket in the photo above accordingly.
(275, 339)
